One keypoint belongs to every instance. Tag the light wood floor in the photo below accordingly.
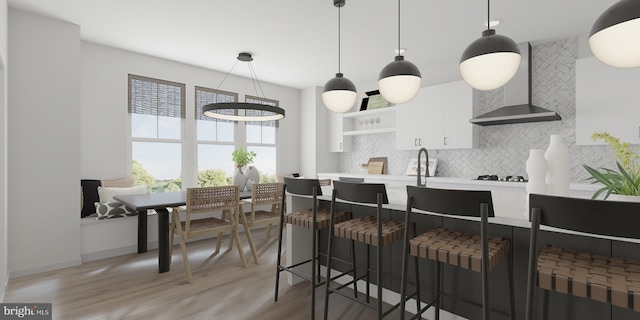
(130, 287)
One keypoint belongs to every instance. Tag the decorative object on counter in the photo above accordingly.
(557, 177)
(625, 181)
(412, 167)
(377, 165)
(400, 80)
(615, 36)
(536, 171)
(490, 61)
(339, 94)
(254, 111)
(242, 158)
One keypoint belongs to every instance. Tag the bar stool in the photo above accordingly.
(606, 279)
(312, 218)
(476, 252)
(371, 230)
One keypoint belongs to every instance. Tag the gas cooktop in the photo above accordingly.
(493, 177)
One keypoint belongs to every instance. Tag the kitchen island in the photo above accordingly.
(510, 222)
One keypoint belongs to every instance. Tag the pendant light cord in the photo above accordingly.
(488, 15)
(339, 39)
(399, 28)
(256, 82)
(226, 75)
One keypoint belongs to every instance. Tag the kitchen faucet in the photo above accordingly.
(419, 183)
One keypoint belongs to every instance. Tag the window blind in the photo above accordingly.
(205, 96)
(264, 101)
(156, 97)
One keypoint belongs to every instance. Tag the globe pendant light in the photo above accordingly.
(615, 36)
(400, 80)
(339, 93)
(490, 61)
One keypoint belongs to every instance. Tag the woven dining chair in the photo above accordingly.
(267, 202)
(200, 201)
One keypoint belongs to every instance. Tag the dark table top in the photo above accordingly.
(146, 201)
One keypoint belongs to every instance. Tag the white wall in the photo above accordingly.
(104, 120)
(308, 100)
(314, 133)
(3, 148)
(43, 144)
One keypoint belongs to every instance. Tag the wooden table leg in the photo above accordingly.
(163, 240)
(142, 231)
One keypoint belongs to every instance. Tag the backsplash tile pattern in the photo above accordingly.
(503, 149)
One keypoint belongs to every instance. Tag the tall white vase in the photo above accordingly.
(558, 167)
(239, 179)
(536, 171)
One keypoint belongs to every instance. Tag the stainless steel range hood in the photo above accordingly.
(517, 99)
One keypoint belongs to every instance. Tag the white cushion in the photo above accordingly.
(106, 194)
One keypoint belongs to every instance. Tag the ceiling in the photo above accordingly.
(295, 43)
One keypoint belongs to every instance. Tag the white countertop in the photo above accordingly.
(411, 180)
(509, 198)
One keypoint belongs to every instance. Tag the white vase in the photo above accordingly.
(252, 174)
(536, 171)
(239, 179)
(557, 177)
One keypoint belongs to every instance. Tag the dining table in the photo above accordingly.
(160, 203)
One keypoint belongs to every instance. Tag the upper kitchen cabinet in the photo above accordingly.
(607, 99)
(337, 141)
(457, 110)
(419, 117)
(437, 118)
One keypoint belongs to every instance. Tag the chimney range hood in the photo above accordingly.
(517, 99)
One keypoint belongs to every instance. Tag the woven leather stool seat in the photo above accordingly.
(365, 229)
(590, 276)
(458, 248)
(304, 218)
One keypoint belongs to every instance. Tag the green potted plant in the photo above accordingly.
(626, 180)
(242, 158)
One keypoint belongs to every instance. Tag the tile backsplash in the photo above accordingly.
(503, 149)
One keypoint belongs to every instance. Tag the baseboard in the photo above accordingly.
(3, 289)
(392, 297)
(110, 253)
(50, 267)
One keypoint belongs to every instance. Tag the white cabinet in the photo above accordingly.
(437, 118)
(607, 99)
(416, 119)
(457, 110)
(337, 141)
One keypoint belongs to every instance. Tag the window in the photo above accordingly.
(261, 138)
(216, 140)
(156, 109)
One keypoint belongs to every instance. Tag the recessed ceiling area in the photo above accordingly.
(294, 43)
